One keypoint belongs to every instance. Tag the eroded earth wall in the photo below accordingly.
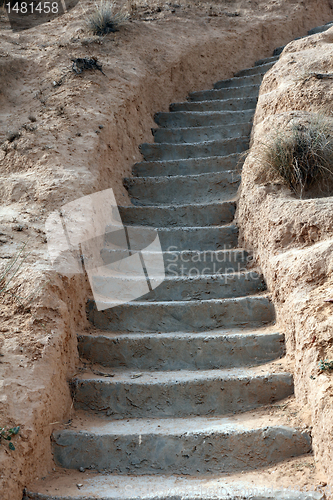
(292, 238)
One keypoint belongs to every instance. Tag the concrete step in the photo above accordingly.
(278, 50)
(182, 351)
(190, 166)
(272, 59)
(159, 152)
(234, 92)
(186, 287)
(201, 119)
(239, 104)
(198, 238)
(182, 316)
(200, 241)
(200, 263)
(259, 69)
(181, 190)
(320, 29)
(191, 263)
(242, 81)
(179, 394)
(198, 215)
(191, 238)
(62, 485)
(201, 134)
(177, 446)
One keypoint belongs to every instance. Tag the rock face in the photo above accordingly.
(292, 238)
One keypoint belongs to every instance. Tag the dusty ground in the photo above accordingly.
(293, 238)
(64, 135)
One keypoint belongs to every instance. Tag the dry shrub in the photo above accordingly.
(301, 156)
(106, 18)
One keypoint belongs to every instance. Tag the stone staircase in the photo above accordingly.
(172, 394)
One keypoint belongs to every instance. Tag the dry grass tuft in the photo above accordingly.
(302, 156)
(106, 18)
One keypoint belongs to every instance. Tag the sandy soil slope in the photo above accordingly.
(63, 136)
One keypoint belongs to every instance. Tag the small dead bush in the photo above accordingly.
(302, 157)
(106, 18)
(81, 64)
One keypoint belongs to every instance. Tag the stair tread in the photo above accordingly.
(176, 207)
(188, 252)
(189, 160)
(238, 103)
(320, 29)
(239, 81)
(209, 334)
(193, 229)
(207, 213)
(177, 377)
(95, 486)
(207, 277)
(259, 62)
(137, 303)
(205, 101)
(212, 92)
(209, 163)
(232, 113)
(170, 151)
(200, 128)
(191, 316)
(203, 143)
(195, 238)
(140, 377)
(246, 421)
(173, 119)
(255, 70)
(228, 195)
(225, 174)
(261, 66)
(178, 351)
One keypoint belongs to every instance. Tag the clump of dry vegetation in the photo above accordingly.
(11, 281)
(106, 18)
(301, 156)
(8, 434)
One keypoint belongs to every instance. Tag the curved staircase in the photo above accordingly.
(171, 400)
